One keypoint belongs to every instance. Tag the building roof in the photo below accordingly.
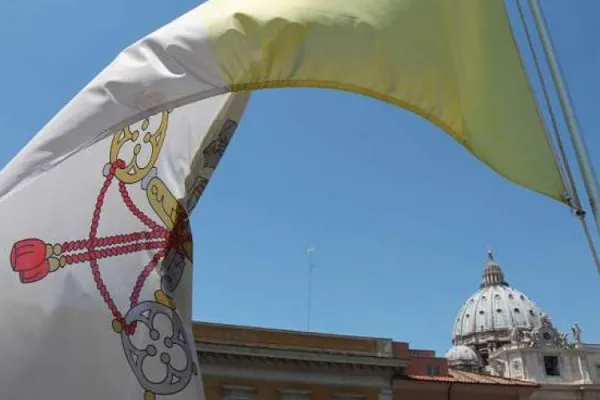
(267, 338)
(463, 377)
(273, 346)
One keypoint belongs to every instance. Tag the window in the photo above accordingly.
(598, 370)
(433, 370)
(516, 364)
(551, 366)
(348, 397)
(294, 395)
(238, 393)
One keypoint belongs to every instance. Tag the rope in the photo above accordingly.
(563, 163)
(562, 158)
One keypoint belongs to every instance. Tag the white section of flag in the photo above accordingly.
(57, 337)
(170, 67)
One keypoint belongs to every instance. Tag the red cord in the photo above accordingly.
(114, 240)
(92, 255)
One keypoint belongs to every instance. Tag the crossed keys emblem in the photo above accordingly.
(169, 238)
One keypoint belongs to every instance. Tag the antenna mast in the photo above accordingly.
(311, 265)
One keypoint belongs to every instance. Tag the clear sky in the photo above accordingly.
(400, 215)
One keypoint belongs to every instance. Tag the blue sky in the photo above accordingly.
(400, 216)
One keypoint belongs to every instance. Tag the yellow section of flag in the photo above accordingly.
(453, 62)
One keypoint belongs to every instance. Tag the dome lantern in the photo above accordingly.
(492, 273)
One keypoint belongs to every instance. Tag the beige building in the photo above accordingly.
(243, 363)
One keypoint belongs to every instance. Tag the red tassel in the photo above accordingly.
(30, 259)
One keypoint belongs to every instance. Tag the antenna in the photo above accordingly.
(311, 265)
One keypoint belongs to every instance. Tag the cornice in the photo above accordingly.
(210, 353)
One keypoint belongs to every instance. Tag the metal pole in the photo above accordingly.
(585, 165)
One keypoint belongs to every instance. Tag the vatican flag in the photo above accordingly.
(96, 285)
(95, 289)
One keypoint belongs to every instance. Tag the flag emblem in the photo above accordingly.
(169, 237)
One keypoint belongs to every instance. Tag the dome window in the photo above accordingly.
(467, 316)
(522, 297)
(481, 312)
(517, 310)
(482, 297)
(551, 366)
(499, 310)
(531, 313)
(510, 296)
(497, 297)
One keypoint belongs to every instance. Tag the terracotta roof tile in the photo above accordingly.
(471, 377)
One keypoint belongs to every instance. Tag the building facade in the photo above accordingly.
(502, 332)
(245, 363)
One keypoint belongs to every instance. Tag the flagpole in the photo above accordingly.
(561, 158)
(585, 165)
